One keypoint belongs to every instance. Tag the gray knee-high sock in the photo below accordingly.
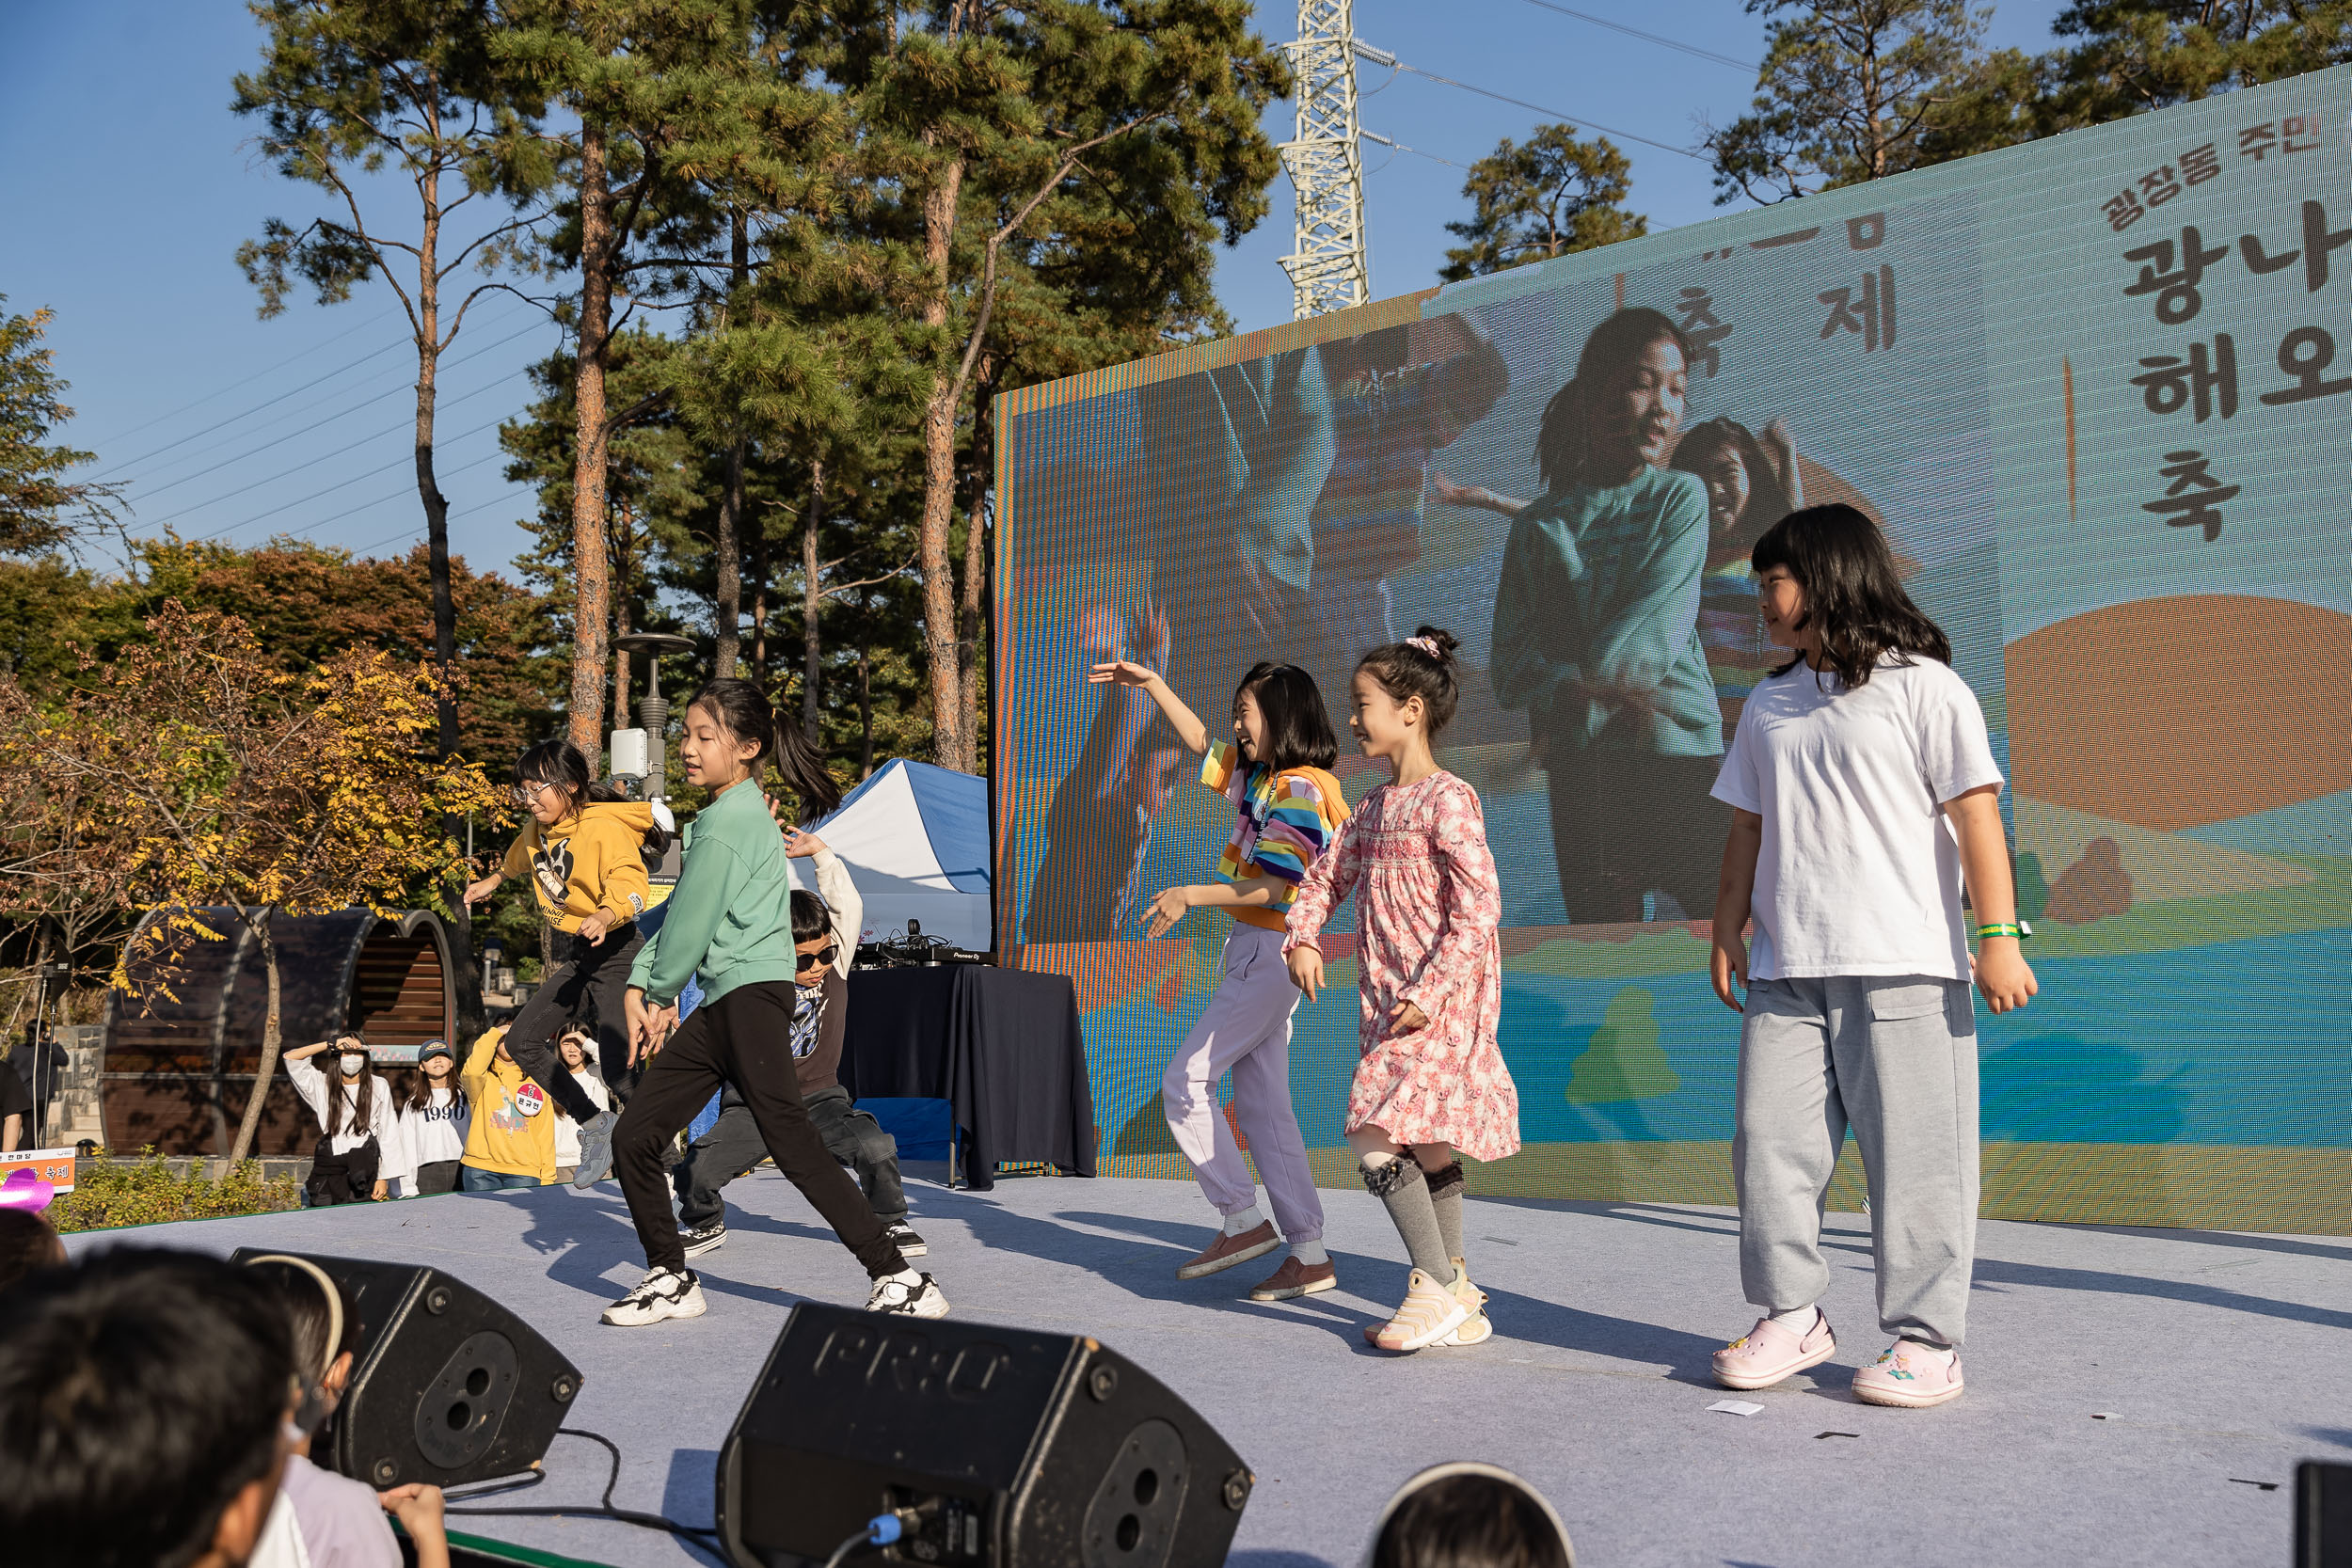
(1445, 1196)
(1398, 1184)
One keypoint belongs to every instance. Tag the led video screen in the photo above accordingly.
(2091, 389)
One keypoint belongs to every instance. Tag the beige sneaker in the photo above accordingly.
(1475, 1329)
(1430, 1312)
(1230, 1251)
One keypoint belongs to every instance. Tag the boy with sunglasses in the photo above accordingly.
(825, 927)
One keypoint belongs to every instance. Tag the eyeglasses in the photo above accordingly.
(819, 958)
(528, 791)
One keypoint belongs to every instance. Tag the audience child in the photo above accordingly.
(1430, 964)
(339, 1522)
(1864, 797)
(355, 1115)
(583, 848)
(510, 1131)
(824, 936)
(143, 1401)
(1466, 1514)
(1275, 770)
(729, 920)
(577, 1048)
(27, 1242)
(16, 1113)
(429, 1134)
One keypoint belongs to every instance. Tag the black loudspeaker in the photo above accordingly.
(446, 1385)
(1014, 1449)
(2323, 1514)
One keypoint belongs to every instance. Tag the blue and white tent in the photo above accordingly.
(916, 840)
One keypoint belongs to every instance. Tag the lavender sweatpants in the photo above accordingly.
(1245, 1031)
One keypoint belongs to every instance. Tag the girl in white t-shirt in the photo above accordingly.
(579, 1052)
(429, 1138)
(1863, 793)
(354, 1107)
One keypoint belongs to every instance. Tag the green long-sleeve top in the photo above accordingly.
(730, 916)
(1600, 587)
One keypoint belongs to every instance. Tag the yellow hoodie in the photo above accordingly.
(513, 1130)
(586, 863)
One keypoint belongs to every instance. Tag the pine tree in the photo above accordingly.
(39, 507)
(1545, 197)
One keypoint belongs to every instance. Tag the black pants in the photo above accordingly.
(733, 1146)
(343, 1178)
(597, 970)
(1624, 823)
(744, 1038)
(437, 1176)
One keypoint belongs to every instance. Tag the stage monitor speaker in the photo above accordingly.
(447, 1386)
(2323, 1514)
(1015, 1449)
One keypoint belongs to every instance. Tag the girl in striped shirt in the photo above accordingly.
(1276, 771)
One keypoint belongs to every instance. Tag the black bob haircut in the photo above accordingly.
(140, 1391)
(1297, 725)
(812, 917)
(1853, 595)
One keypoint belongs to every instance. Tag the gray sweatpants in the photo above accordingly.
(1895, 1058)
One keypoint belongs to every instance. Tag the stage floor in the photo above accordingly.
(2132, 1393)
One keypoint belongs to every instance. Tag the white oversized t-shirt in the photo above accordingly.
(1859, 872)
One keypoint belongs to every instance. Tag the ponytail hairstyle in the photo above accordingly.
(563, 766)
(741, 710)
(1852, 594)
(1421, 666)
(1297, 725)
(1562, 444)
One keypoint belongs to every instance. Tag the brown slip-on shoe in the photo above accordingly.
(1228, 1251)
(1294, 1279)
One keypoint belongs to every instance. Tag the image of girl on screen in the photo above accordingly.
(1751, 483)
(1596, 631)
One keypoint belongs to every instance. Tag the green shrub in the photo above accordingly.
(150, 1192)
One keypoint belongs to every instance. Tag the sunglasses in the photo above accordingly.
(819, 958)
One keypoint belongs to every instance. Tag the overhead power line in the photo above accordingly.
(1382, 57)
(1647, 37)
(246, 414)
(1375, 135)
(272, 369)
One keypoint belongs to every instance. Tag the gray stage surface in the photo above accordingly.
(2132, 1393)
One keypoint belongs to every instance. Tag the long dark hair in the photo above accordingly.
(744, 711)
(1297, 725)
(1768, 490)
(365, 1110)
(561, 764)
(1407, 669)
(415, 1087)
(1563, 443)
(1851, 592)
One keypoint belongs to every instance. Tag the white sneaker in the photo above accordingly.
(660, 1294)
(907, 1297)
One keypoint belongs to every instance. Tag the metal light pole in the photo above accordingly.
(651, 738)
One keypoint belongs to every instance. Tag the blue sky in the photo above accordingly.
(130, 186)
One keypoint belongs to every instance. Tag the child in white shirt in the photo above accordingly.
(355, 1118)
(429, 1134)
(579, 1051)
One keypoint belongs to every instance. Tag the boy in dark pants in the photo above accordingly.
(824, 933)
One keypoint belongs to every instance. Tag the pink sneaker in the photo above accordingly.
(1911, 1375)
(1771, 1353)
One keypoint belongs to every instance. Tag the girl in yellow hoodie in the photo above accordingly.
(510, 1140)
(583, 847)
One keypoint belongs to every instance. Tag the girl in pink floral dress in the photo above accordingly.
(1430, 1079)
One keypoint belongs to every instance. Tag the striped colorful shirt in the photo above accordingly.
(1287, 819)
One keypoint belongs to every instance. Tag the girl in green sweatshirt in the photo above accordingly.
(729, 919)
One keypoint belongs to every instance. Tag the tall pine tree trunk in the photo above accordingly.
(811, 651)
(760, 604)
(466, 979)
(266, 1072)
(968, 624)
(592, 608)
(865, 716)
(948, 747)
(728, 547)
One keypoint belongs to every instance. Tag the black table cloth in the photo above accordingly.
(1001, 1046)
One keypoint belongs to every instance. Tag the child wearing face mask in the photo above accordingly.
(429, 1134)
(356, 1116)
(1430, 1079)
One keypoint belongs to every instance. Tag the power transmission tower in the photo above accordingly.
(1327, 265)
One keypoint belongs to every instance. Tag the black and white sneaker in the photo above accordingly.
(660, 1294)
(704, 1238)
(907, 1296)
(903, 1237)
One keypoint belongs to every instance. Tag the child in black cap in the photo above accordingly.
(429, 1134)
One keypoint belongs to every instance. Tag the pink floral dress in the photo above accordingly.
(1427, 908)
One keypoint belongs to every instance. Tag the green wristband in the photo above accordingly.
(2018, 931)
